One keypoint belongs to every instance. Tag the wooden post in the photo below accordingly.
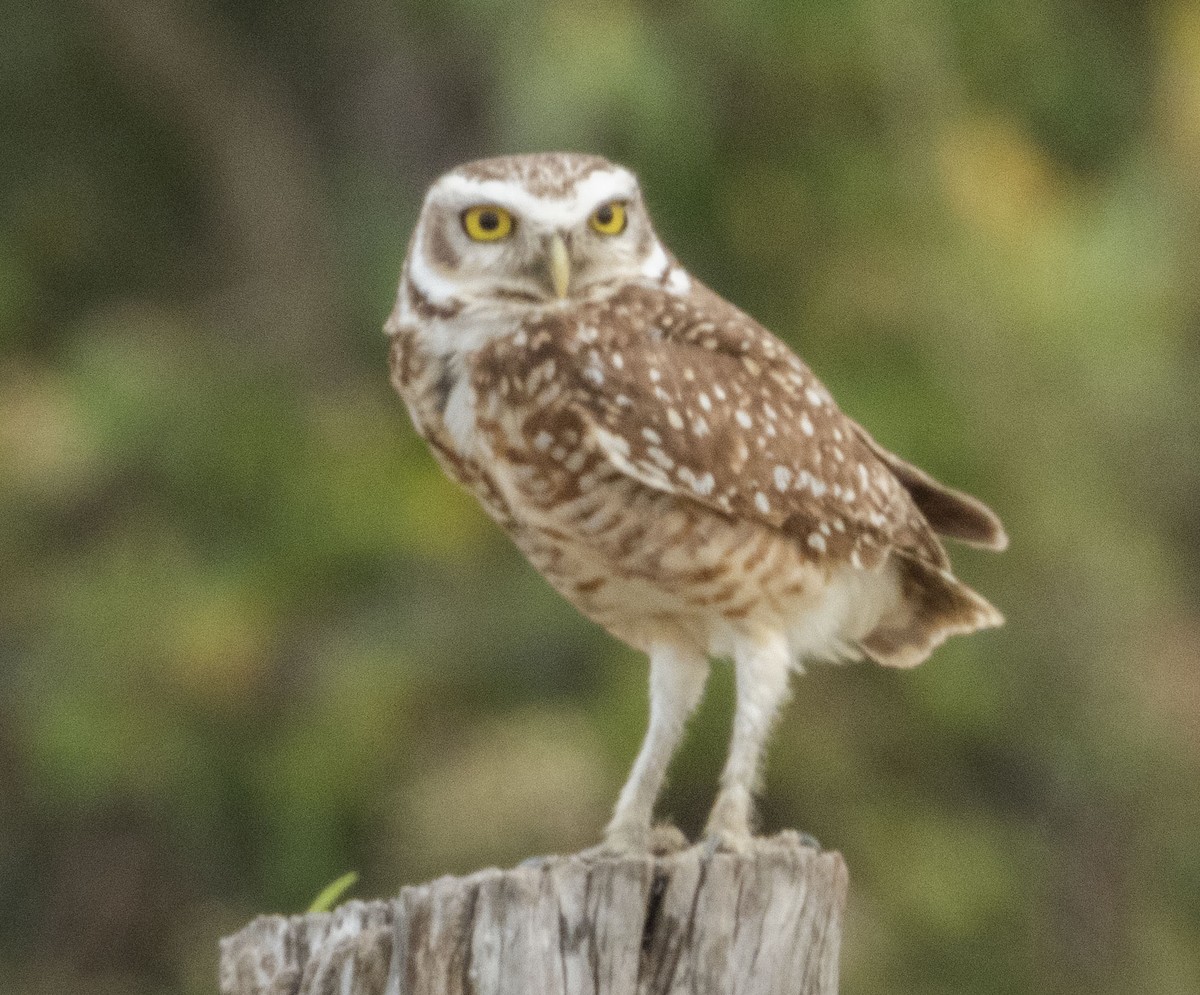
(768, 923)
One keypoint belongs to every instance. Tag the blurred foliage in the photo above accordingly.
(329, 896)
(250, 637)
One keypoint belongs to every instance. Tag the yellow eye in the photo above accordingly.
(609, 219)
(487, 223)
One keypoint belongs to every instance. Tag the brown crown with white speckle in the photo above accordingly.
(544, 174)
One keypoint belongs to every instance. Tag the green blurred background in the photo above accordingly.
(250, 638)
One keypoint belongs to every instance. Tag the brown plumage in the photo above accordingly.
(672, 468)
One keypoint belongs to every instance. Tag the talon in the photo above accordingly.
(797, 837)
(666, 839)
(810, 841)
(620, 842)
(727, 841)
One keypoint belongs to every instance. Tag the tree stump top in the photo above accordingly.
(766, 923)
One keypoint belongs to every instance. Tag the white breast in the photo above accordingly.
(459, 417)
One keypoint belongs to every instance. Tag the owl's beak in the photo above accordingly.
(560, 265)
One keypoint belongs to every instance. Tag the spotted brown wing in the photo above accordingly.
(690, 396)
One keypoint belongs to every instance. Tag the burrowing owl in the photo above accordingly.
(669, 465)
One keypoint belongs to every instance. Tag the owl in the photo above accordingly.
(671, 467)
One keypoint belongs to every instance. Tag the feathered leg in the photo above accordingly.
(676, 685)
(762, 671)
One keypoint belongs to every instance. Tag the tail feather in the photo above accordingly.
(951, 513)
(933, 605)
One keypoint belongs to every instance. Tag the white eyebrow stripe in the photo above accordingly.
(606, 184)
(435, 287)
(597, 187)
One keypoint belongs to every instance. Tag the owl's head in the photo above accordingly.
(532, 229)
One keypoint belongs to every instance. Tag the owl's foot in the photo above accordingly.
(728, 829)
(638, 841)
(666, 839)
(727, 841)
(620, 841)
(803, 838)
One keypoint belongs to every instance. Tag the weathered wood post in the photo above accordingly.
(768, 923)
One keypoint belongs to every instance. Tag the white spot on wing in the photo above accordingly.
(611, 442)
(661, 458)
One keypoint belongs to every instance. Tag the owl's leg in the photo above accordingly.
(676, 685)
(762, 670)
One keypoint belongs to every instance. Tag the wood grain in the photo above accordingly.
(767, 923)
